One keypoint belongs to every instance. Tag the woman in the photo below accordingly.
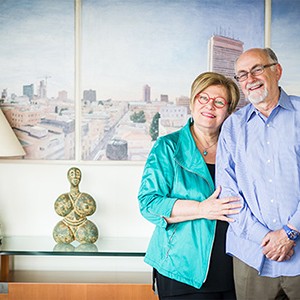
(177, 195)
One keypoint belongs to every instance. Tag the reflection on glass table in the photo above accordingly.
(37, 245)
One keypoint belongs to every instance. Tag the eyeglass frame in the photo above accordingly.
(197, 97)
(246, 74)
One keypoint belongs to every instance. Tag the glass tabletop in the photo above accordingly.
(43, 245)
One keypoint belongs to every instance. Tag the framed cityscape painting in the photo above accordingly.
(139, 59)
(37, 75)
(135, 61)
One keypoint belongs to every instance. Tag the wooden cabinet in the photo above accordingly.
(61, 291)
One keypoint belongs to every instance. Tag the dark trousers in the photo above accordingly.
(170, 289)
(250, 286)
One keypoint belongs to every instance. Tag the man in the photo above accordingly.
(258, 159)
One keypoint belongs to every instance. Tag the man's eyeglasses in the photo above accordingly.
(255, 71)
(218, 102)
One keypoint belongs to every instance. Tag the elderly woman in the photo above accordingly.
(178, 195)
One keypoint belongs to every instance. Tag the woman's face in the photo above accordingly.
(211, 115)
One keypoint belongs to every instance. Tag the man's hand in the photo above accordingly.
(277, 246)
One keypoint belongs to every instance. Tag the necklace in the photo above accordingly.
(205, 152)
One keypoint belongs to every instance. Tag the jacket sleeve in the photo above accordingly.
(246, 225)
(157, 180)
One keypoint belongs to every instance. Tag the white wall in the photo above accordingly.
(28, 191)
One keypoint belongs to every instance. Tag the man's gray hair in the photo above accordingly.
(271, 54)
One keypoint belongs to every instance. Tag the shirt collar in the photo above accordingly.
(283, 102)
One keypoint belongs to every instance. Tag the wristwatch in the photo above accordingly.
(291, 233)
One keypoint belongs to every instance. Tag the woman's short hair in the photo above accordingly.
(207, 79)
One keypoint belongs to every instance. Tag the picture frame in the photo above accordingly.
(128, 66)
(37, 79)
(139, 59)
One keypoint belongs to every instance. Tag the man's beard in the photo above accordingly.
(256, 97)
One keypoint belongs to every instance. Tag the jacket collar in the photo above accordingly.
(188, 156)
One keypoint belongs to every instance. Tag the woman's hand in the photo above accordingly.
(217, 209)
(212, 208)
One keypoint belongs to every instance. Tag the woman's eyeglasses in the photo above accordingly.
(218, 102)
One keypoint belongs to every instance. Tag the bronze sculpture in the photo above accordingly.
(75, 206)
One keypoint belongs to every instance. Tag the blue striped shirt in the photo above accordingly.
(258, 158)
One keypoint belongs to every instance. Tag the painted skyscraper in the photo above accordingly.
(222, 54)
(147, 93)
(89, 95)
(28, 90)
(42, 91)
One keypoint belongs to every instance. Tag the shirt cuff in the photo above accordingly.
(295, 221)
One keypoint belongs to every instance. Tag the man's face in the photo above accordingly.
(262, 87)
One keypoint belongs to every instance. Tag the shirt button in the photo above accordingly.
(274, 220)
(270, 180)
(272, 200)
(268, 161)
(268, 125)
(268, 143)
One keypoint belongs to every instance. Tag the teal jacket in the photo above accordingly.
(175, 169)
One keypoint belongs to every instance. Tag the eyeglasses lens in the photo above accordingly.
(254, 72)
(217, 102)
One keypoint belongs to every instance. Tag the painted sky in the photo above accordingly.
(37, 40)
(127, 44)
(286, 42)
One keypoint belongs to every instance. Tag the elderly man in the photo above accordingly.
(258, 158)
